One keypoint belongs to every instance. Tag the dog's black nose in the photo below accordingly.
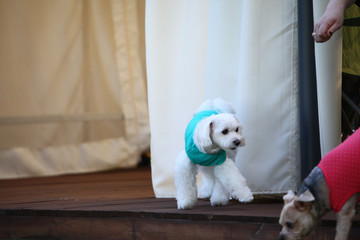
(237, 142)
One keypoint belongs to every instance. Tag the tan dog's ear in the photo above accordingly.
(202, 138)
(305, 201)
(289, 197)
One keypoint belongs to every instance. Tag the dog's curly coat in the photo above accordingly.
(221, 180)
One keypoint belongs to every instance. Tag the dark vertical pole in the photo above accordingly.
(309, 121)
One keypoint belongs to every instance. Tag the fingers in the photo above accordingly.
(327, 25)
(321, 38)
(323, 33)
(333, 28)
(323, 30)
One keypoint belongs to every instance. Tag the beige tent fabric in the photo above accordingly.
(246, 53)
(242, 51)
(72, 86)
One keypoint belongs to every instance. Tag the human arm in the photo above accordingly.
(331, 20)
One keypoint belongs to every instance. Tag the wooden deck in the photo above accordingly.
(121, 205)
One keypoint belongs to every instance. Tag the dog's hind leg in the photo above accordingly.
(185, 182)
(229, 176)
(345, 217)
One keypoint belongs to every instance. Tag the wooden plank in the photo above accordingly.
(65, 228)
(178, 230)
(114, 228)
(143, 228)
(122, 203)
(122, 184)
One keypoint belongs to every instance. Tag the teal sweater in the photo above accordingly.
(193, 152)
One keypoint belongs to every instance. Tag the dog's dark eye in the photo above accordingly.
(237, 129)
(289, 225)
(225, 131)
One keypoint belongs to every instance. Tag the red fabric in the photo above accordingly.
(341, 167)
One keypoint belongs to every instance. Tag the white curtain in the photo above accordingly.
(242, 51)
(72, 86)
(328, 58)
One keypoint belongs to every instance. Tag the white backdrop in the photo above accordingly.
(72, 86)
(73, 91)
(328, 75)
(242, 51)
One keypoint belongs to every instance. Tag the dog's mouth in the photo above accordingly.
(233, 148)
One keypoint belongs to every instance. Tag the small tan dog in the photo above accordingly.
(333, 185)
(301, 213)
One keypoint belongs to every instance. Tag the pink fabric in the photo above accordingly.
(341, 167)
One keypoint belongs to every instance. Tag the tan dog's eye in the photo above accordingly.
(225, 131)
(237, 129)
(289, 225)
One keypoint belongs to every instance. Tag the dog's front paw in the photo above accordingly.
(185, 204)
(244, 195)
(219, 201)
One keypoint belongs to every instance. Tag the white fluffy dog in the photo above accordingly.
(211, 140)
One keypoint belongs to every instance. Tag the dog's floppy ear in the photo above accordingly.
(202, 134)
(304, 201)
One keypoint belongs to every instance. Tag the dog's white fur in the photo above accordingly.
(219, 182)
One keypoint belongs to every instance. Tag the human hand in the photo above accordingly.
(328, 24)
